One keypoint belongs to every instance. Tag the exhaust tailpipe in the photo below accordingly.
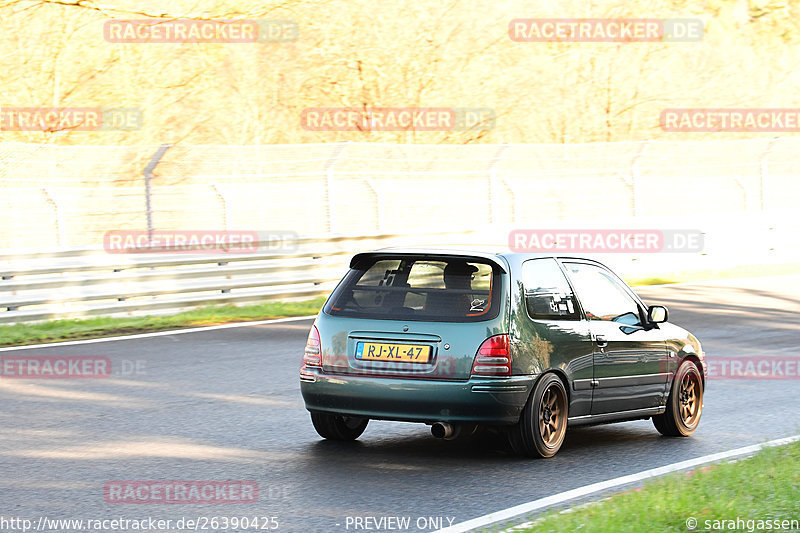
(442, 430)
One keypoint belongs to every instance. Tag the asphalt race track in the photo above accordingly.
(225, 405)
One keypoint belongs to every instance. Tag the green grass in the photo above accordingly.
(765, 486)
(86, 328)
(744, 271)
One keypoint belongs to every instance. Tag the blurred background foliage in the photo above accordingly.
(370, 53)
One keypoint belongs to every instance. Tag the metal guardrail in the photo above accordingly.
(78, 282)
(90, 281)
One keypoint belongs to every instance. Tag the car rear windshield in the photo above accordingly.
(444, 289)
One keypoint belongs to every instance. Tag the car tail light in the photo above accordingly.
(493, 358)
(313, 353)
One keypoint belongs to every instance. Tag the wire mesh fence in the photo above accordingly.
(67, 196)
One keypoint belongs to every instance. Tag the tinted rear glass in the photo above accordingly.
(547, 293)
(445, 289)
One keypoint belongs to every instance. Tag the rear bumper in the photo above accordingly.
(483, 400)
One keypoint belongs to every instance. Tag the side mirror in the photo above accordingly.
(657, 314)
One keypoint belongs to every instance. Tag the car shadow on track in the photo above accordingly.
(486, 447)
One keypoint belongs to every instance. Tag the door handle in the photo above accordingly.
(601, 341)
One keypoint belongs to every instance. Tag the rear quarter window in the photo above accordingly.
(446, 289)
(548, 295)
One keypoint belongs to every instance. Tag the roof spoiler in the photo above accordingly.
(428, 254)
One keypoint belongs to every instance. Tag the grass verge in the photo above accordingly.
(87, 328)
(744, 271)
(763, 487)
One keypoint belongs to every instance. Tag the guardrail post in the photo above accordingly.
(492, 179)
(148, 175)
(513, 194)
(329, 176)
(378, 205)
(224, 201)
(60, 235)
(633, 179)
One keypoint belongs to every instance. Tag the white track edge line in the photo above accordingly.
(587, 490)
(158, 333)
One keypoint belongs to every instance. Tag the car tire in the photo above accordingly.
(543, 423)
(337, 427)
(684, 405)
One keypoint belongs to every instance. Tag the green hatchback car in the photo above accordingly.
(526, 343)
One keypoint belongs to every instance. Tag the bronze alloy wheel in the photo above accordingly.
(685, 403)
(543, 422)
(689, 400)
(551, 416)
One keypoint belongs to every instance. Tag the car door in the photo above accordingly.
(550, 332)
(630, 356)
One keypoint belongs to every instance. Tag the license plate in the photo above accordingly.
(405, 353)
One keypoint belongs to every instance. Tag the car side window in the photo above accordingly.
(547, 292)
(602, 296)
